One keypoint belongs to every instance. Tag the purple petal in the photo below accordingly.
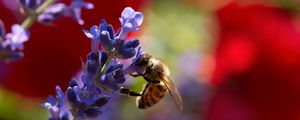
(45, 18)
(71, 96)
(76, 7)
(128, 25)
(77, 14)
(17, 37)
(87, 33)
(51, 100)
(130, 21)
(138, 18)
(94, 30)
(59, 96)
(106, 41)
(73, 83)
(55, 8)
(103, 25)
(122, 21)
(128, 12)
(110, 29)
(88, 5)
(53, 12)
(132, 44)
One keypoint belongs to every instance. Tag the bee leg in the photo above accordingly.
(145, 88)
(129, 92)
(151, 81)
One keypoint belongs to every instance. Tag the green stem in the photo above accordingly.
(100, 74)
(32, 18)
(105, 66)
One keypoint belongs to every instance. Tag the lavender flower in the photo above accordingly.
(52, 12)
(6, 52)
(118, 47)
(124, 49)
(76, 7)
(106, 36)
(133, 67)
(58, 10)
(130, 21)
(56, 106)
(94, 35)
(110, 42)
(102, 74)
(17, 37)
(85, 102)
(113, 76)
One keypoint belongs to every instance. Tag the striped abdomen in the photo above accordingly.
(151, 95)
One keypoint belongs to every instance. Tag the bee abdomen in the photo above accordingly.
(140, 104)
(152, 96)
(144, 102)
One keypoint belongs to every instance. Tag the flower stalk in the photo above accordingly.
(98, 76)
(32, 18)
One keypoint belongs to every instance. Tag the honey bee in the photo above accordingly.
(157, 75)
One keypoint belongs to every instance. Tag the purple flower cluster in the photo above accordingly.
(111, 43)
(56, 107)
(11, 44)
(58, 10)
(103, 73)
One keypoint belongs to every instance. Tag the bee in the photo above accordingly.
(157, 75)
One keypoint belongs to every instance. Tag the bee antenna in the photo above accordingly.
(139, 52)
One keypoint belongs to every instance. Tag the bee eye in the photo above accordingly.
(143, 62)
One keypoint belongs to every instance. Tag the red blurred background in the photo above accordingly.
(257, 73)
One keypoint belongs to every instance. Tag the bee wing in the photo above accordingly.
(173, 91)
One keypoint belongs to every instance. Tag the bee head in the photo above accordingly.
(140, 63)
(143, 61)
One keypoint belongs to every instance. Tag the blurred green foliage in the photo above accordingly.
(16, 107)
(173, 28)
